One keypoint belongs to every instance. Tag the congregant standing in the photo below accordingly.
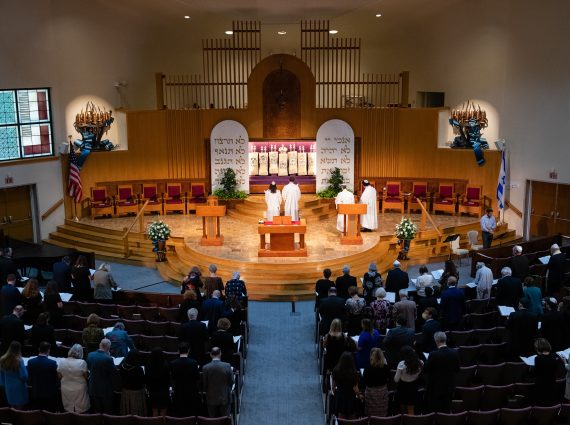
(273, 201)
(369, 221)
(291, 196)
(344, 197)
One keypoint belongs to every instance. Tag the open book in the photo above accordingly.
(545, 259)
(505, 310)
(529, 361)
(437, 274)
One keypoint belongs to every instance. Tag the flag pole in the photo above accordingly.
(73, 203)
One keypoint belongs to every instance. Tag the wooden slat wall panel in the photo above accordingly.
(394, 142)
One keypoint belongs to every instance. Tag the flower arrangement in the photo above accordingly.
(406, 229)
(158, 231)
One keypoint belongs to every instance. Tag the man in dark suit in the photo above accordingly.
(217, 380)
(62, 274)
(101, 372)
(344, 282)
(522, 328)
(431, 326)
(322, 287)
(195, 334)
(212, 309)
(332, 307)
(12, 328)
(184, 376)
(396, 338)
(440, 370)
(10, 295)
(44, 382)
(519, 263)
(397, 280)
(7, 266)
(556, 269)
(553, 326)
(452, 305)
(509, 289)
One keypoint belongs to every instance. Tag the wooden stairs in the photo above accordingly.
(310, 208)
(293, 280)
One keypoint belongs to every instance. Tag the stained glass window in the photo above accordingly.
(25, 124)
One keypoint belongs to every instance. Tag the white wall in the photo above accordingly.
(510, 55)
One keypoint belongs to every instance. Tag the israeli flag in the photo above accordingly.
(502, 184)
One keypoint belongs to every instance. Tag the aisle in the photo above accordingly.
(281, 380)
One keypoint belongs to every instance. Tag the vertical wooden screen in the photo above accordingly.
(335, 62)
(227, 63)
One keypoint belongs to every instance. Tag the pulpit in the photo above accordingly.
(282, 238)
(351, 212)
(211, 224)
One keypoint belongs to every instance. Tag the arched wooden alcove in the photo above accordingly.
(289, 114)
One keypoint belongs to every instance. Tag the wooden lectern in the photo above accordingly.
(352, 212)
(211, 224)
(282, 238)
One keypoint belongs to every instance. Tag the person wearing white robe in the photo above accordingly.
(291, 196)
(344, 197)
(273, 201)
(369, 221)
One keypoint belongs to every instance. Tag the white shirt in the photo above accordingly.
(484, 281)
(273, 202)
(370, 219)
(488, 224)
(344, 197)
(291, 195)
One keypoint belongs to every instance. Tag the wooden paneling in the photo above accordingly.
(281, 105)
(393, 142)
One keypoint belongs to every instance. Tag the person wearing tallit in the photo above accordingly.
(273, 201)
(343, 197)
(291, 196)
(369, 221)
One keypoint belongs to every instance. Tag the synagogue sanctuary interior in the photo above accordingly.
(264, 212)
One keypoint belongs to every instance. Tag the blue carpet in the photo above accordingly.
(281, 379)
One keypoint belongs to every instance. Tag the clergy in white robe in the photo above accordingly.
(344, 197)
(369, 221)
(291, 196)
(273, 201)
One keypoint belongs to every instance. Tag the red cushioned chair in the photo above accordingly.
(392, 198)
(472, 202)
(126, 201)
(483, 418)
(419, 192)
(451, 418)
(175, 199)
(170, 420)
(150, 194)
(58, 418)
(226, 420)
(100, 203)
(197, 195)
(445, 200)
(388, 420)
(27, 417)
(515, 416)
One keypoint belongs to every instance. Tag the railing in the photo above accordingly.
(425, 214)
(514, 209)
(52, 209)
(127, 230)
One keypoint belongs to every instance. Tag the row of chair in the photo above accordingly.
(132, 311)
(445, 200)
(127, 201)
(41, 417)
(504, 416)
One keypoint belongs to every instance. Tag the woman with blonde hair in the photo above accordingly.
(13, 376)
(103, 284)
(375, 379)
(73, 374)
(335, 343)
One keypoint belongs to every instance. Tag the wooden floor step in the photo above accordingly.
(99, 253)
(84, 241)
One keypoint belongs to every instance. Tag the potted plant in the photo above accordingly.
(405, 231)
(159, 232)
(227, 190)
(333, 189)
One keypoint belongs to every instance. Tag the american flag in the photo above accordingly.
(74, 182)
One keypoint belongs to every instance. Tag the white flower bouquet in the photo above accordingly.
(158, 231)
(406, 229)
